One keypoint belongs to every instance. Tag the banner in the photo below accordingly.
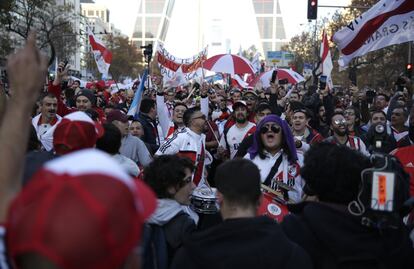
(102, 56)
(169, 64)
(387, 23)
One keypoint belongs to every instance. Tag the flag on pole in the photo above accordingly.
(326, 59)
(256, 62)
(102, 56)
(387, 23)
(136, 102)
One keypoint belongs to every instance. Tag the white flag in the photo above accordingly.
(387, 23)
(102, 56)
(326, 59)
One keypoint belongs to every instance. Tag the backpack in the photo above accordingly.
(154, 247)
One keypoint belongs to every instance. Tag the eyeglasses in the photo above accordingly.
(273, 128)
(250, 98)
(349, 113)
(340, 122)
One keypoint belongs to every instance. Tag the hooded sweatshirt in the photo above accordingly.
(241, 243)
(335, 239)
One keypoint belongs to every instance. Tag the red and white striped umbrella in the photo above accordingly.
(228, 63)
(292, 77)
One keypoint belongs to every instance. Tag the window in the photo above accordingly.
(151, 26)
(90, 12)
(267, 46)
(280, 29)
(265, 27)
(103, 16)
(263, 6)
(138, 28)
(154, 6)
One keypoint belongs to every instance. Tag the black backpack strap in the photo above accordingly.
(273, 170)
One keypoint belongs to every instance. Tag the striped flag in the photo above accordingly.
(326, 59)
(387, 23)
(102, 56)
(136, 102)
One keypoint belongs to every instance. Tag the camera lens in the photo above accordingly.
(379, 129)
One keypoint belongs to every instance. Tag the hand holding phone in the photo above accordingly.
(274, 75)
(322, 82)
(62, 68)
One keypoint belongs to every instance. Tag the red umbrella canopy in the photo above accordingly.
(228, 63)
(292, 77)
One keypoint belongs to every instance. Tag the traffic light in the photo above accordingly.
(312, 9)
(409, 70)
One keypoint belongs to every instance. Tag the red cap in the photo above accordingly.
(76, 131)
(239, 103)
(80, 211)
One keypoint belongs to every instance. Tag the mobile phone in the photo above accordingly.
(283, 81)
(322, 82)
(274, 75)
(65, 63)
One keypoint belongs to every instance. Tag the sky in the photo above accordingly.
(182, 39)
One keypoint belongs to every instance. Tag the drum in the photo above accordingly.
(204, 201)
(273, 207)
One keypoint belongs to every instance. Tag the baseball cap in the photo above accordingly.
(88, 94)
(239, 103)
(81, 210)
(116, 114)
(76, 131)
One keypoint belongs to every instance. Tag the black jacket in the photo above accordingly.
(150, 131)
(241, 243)
(336, 239)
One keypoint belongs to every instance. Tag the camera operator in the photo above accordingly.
(330, 229)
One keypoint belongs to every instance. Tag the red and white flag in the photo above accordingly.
(102, 56)
(387, 23)
(326, 65)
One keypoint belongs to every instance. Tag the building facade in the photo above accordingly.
(154, 17)
(152, 22)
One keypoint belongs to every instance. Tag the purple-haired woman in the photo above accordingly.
(274, 152)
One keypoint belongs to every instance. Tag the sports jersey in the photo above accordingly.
(189, 144)
(231, 139)
(288, 173)
(353, 142)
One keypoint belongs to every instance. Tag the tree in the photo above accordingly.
(375, 69)
(52, 22)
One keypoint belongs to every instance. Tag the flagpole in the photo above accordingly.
(113, 77)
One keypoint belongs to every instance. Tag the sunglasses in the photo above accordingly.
(273, 128)
(340, 122)
(249, 98)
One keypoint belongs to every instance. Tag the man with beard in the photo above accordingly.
(45, 122)
(406, 154)
(340, 135)
(190, 142)
(232, 137)
(84, 99)
(398, 129)
(302, 133)
(175, 123)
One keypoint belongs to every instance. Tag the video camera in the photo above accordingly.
(384, 190)
(147, 52)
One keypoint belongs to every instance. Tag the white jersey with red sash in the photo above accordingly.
(231, 139)
(45, 131)
(288, 173)
(353, 142)
(189, 144)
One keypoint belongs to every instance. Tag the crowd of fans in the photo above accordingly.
(84, 185)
